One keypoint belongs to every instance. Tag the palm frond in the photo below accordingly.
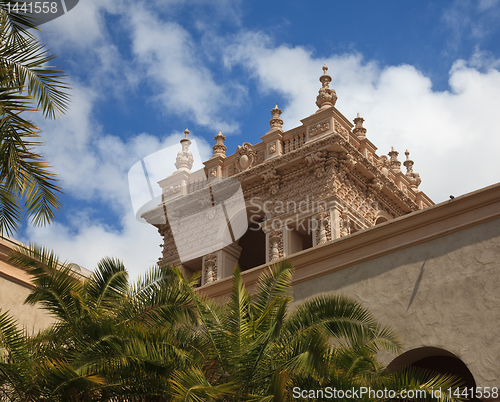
(343, 319)
(274, 282)
(27, 83)
(21, 52)
(57, 288)
(192, 386)
(108, 285)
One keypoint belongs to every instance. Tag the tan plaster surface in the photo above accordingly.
(442, 293)
(12, 296)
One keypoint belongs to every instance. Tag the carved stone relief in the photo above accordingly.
(321, 175)
(232, 170)
(173, 189)
(319, 128)
(246, 156)
(259, 158)
(339, 128)
(169, 250)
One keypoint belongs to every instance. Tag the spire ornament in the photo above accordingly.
(414, 178)
(219, 147)
(408, 163)
(184, 160)
(359, 131)
(395, 164)
(276, 122)
(327, 96)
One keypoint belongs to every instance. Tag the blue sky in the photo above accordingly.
(424, 75)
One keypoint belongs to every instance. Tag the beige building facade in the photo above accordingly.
(352, 222)
(16, 286)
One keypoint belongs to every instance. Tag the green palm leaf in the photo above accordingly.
(27, 83)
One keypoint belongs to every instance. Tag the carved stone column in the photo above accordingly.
(335, 221)
(414, 178)
(209, 269)
(274, 240)
(345, 225)
(214, 167)
(220, 264)
(273, 139)
(323, 229)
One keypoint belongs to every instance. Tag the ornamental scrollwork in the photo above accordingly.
(319, 128)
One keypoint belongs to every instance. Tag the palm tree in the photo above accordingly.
(160, 340)
(27, 83)
(264, 349)
(110, 341)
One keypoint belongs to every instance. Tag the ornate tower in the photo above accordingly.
(310, 185)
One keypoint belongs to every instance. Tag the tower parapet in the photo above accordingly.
(303, 187)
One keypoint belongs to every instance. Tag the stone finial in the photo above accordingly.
(414, 178)
(219, 147)
(408, 163)
(276, 122)
(327, 96)
(359, 130)
(184, 158)
(395, 163)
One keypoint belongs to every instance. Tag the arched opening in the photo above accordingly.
(435, 359)
(382, 216)
(253, 247)
(253, 242)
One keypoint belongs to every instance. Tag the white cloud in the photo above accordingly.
(466, 19)
(448, 134)
(165, 57)
(169, 57)
(92, 166)
(86, 241)
(82, 27)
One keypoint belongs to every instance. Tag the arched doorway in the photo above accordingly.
(435, 359)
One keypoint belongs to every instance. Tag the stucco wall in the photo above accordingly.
(12, 296)
(442, 293)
